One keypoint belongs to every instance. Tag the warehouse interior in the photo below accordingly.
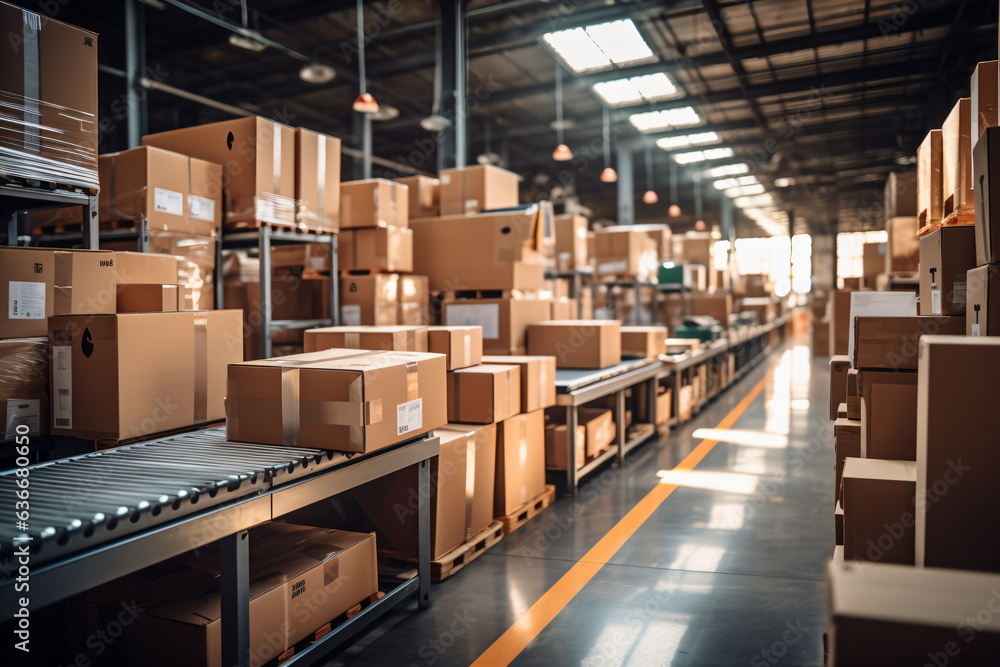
(491, 332)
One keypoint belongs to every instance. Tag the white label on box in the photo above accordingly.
(471, 205)
(409, 417)
(27, 301)
(350, 315)
(613, 267)
(975, 330)
(25, 412)
(62, 386)
(201, 208)
(168, 201)
(486, 316)
(935, 302)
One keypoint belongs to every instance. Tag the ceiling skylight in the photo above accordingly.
(701, 156)
(688, 140)
(637, 89)
(668, 119)
(728, 170)
(599, 46)
(726, 183)
(744, 190)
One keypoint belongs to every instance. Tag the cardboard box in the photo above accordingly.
(571, 243)
(424, 196)
(719, 306)
(461, 493)
(24, 386)
(853, 399)
(983, 91)
(563, 308)
(495, 251)
(375, 202)
(123, 377)
(462, 345)
(878, 304)
(884, 614)
(958, 462)
(842, 411)
(956, 158)
(484, 394)
(839, 366)
(538, 375)
(520, 466)
(873, 262)
(983, 296)
(946, 255)
(49, 126)
(903, 247)
(258, 165)
(347, 400)
(292, 298)
(888, 406)
(664, 407)
(986, 175)
(504, 321)
(821, 339)
(838, 530)
(930, 200)
(556, 446)
(144, 268)
(900, 194)
(891, 342)
(645, 342)
(395, 338)
(388, 249)
(301, 578)
(840, 321)
(369, 300)
(685, 403)
(139, 298)
(39, 283)
(846, 444)
(317, 181)
(625, 254)
(469, 190)
(577, 343)
(195, 269)
(414, 301)
(879, 501)
(595, 432)
(310, 256)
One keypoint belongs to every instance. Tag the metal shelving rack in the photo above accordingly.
(633, 285)
(575, 286)
(16, 200)
(263, 238)
(139, 234)
(271, 482)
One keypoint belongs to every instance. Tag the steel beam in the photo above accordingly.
(137, 120)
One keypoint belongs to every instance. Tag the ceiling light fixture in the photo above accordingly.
(562, 153)
(609, 175)
(637, 89)
(386, 112)
(317, 73)
(247, 38)
(650, 196)
(366, 102)
(728, 170)
(688, 140)
(701, 156)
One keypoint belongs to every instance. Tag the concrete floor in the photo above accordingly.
(728, 570)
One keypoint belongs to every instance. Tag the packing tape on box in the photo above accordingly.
(470, 480)
(291, 427)
(200, 369)
(352, 340)
(455, 395)
(412, 381)
(321, 178)
(466, 347)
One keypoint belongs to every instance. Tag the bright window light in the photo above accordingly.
(688, 140)
(744, 191)
(701, 156)
(648, 88)
(727, 170)
(599, 46)
(652, 121)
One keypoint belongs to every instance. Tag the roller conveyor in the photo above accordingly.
(82, 502)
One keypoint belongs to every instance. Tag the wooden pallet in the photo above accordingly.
(68, 227)
(249, 225)
(32, 184)
(456, 559)
(483, 294)
(324, 630)
(529, 511)
(962, 217)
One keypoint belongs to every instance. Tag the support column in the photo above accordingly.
(626, 186)
(137, 121)
(452, 57)
(363, 131)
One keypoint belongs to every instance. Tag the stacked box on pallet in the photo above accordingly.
(983, 284)
(929, 180)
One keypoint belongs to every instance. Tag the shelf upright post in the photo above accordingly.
(620, 431)
(235, 581)
(424, 533)
(571, 419)
(334, 281)
(264, 245)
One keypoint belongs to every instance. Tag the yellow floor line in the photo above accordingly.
(530, 624)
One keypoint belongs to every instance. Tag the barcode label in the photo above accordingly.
(168, 201)
(935, 302)
(62, 421)
(62, 384)
(201, 208)
(409, 417)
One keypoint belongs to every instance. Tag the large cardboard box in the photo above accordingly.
(310, 256)
(946, 255)
(484, 394)
(866, 303)
(195, 269)
(983, 296)
(375, 202)
(424, 196)
(388, 249)
(301, 578)
(873, 262)
(719, 306)
(839, 366)
(394, 338)
(462, 345)
(879, 501)
(577, 343)
(490, 251)
(956, 158)
(986, 174)
(24, 386)
(884, 614)
(38, 283)
(557, 444)
(345, 400)
(695, 248)
(414, 301)
(317, 181)
(571, 243)
(846, 444)
(258, 165)
(853, 399)
(292, 298)
(122, 377)
(504, 321)
(625, 254)
(840, 321)
(930, 199)
(461, 493)
(647, 342)
(469, 190)
(595, 432)
(958, 461)
(520, 466)
(538, 379)
(143, 268)
(888, 406)
(983, 91)
(49, 126)
(139, 298)
(369, 300)
(903, 247)
(891, 342)
(900, 194)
